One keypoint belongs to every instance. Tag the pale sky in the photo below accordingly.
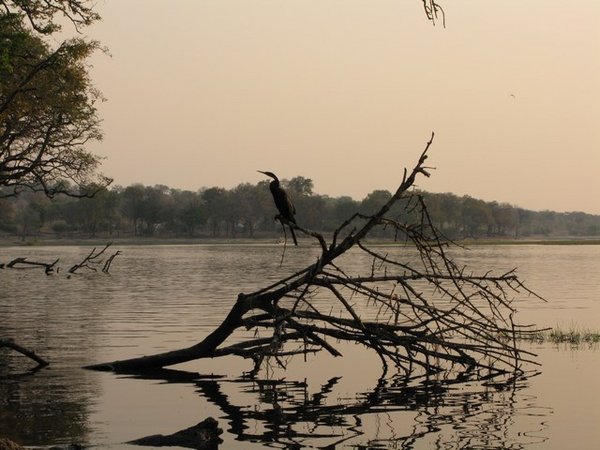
(347, 92)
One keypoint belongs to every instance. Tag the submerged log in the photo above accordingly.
(202, 436)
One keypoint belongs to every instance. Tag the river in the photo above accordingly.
(163, 297)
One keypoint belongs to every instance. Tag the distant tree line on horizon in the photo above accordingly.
(247, 211)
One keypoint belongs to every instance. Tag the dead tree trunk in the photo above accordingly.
(419, 309)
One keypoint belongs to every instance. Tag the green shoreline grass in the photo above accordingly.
(562, 241)
(557, 336)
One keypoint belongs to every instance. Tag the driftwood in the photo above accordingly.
(418, 311)
(10, 343)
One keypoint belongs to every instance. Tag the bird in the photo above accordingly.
(283, 202)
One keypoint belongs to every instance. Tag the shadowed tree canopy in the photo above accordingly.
(47, 102)
(414, 306)
(41, 14)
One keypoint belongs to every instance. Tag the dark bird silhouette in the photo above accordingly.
(282, 202)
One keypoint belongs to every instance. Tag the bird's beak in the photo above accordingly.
(269, 174)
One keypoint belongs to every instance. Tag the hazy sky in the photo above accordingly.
(347, 92)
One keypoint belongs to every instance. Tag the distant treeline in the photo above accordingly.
(248, 211)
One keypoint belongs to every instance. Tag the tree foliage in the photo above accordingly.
(247, 211)
(41, 14)
(47, 102)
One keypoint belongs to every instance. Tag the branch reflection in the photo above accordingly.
(456, 412)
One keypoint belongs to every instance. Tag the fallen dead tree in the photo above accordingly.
(416, 308)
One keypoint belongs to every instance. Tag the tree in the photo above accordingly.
(424, 312)
(92, 215)
(476, 216)
(155, 207)
(132, 206)
(506, 218)
(251, 201)
(216, 201)
(310, 211)
(300, 186)
(374, 201)
(47, 103)
(341, 208)
(189, 210)
(30, 217)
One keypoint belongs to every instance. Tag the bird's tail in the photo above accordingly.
(293, 236)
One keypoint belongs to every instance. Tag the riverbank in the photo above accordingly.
(32, 242)
(540, 241)
(101, 241)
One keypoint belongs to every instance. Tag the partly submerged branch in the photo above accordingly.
(10, 343)
(94, 260)
(23, 263)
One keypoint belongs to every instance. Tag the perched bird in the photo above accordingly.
(282, 202)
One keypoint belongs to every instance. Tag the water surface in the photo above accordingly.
(163, 297)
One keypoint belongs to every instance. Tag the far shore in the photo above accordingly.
(101, 241)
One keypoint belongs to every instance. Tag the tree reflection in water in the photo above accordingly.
(30, 399)
(452, 412)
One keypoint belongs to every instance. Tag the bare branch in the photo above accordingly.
(93, 259)
(10, 343)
